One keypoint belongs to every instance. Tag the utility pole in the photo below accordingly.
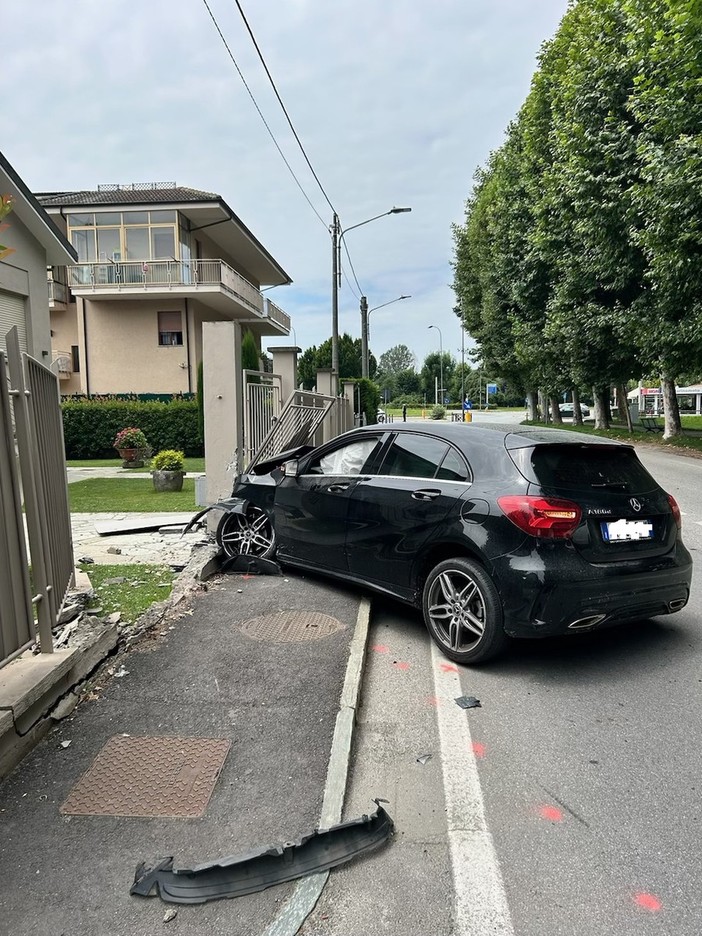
(335, 304)
(364, 337)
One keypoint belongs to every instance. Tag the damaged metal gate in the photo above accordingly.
(297, 424)
(262, 405)
(41, 482)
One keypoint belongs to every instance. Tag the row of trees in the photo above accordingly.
(397, 377)
(580, 260)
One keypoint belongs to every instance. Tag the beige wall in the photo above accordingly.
(122, 349)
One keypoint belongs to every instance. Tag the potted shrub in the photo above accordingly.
(132, 447)
(167, 470)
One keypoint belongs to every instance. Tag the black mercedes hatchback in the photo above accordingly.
(491, 531)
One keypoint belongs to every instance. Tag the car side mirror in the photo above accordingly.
(291, 469)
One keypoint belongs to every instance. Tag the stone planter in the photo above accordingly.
(132, 457)
(168, 480)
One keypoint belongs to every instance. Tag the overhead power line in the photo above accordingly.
(260, 114)
(280, 101)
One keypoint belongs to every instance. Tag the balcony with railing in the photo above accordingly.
(58, 294)
(62, 362)
(212, 281)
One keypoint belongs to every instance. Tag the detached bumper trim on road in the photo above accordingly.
(276, 864)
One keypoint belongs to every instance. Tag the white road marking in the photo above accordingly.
(480, 899)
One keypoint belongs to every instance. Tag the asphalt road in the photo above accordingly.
(573, 792)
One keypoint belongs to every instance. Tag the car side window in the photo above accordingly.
(414, 456)
(453, 468)
(347, 460)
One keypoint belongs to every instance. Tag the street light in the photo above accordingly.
(441, 360)
(337, 236)
(365, 335)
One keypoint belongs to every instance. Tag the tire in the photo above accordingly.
(249, 534)
(463, 612)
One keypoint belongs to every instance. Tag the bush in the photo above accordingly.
(90, 426)
(438, 412)
(130, 438)
(168, 460)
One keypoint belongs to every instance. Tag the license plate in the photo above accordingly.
(622, 531)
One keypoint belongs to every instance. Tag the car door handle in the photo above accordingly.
(425, 495)
(338, 488)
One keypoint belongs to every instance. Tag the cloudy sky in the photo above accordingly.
(396, 103)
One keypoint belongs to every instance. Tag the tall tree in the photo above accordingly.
(396, 359)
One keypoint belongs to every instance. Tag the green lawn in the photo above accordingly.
(142, 586)
(191, 464)
(114, 495)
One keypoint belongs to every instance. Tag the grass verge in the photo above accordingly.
(191, 464)
(622, 434)
(129, 589)
(131, 495)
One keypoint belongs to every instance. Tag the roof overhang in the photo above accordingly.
(214, 218)
(59, 252)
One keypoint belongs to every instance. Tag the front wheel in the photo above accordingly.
(247, 534)
(463, 611)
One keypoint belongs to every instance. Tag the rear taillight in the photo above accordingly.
(676, 511)
(541, 516)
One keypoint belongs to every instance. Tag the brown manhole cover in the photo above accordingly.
(149, 777)
(289, 626)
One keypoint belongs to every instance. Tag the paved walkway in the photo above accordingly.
(151, 547)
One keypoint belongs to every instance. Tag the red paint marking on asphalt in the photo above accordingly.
(551, 813)
(478, 749)
(432, 700)
(648, 902)
(380, 648)
(449, 668)
(399, 665)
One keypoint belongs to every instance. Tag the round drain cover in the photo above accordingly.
(288, 626)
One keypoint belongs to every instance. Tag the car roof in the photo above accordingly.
(483, 444)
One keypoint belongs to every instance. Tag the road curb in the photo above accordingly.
(308, 891)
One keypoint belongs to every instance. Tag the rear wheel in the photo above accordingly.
(247, 534)
(463, 611)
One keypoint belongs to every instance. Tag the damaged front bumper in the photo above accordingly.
(257, 870)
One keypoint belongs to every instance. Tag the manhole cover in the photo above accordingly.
(149, 777)
(289, 626)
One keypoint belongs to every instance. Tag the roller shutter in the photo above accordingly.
(12, 313)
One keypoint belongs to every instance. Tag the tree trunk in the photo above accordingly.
(577, 412)
(531, 406)
(623, 406)
(543, 406)
(555, 411)
(671, 410)
(599, 395)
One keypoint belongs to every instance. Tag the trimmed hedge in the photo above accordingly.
(90, 426)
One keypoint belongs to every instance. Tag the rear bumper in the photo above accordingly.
(574, 596)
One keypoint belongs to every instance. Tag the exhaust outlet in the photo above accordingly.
(584, 623)
(677, 604)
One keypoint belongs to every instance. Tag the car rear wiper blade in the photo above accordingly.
(619, 485)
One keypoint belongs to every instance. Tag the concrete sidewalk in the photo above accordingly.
(229, 707)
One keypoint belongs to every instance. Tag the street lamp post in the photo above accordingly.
(337, 236)
(441, 361)
(365, 332)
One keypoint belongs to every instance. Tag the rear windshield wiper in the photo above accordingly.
(617, 485)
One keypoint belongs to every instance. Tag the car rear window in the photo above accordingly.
(584, 466)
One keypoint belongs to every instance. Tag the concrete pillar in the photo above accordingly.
(324, 381)
(224, 407)
(285, 364)
(351, 404)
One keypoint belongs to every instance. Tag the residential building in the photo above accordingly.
(33, 242)
(154, 261)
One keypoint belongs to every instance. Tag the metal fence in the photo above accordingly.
(38, 430)
(307, 418)
(262, 405)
